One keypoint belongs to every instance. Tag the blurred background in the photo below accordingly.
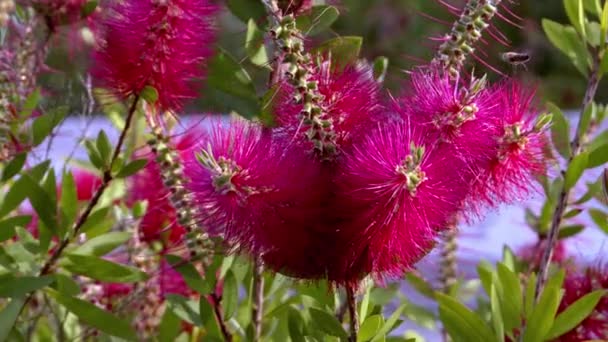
(398, 29)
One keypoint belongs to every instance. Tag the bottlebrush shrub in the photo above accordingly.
(159, 222)
(155, 43)
(578, 284)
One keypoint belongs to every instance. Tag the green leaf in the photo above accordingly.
(389, 324)
(69, 199)
(600, 219)
(170, 327)
(94, 155)
(8, 317)
(132, 168)
(186, 309)
(589, 113)
(364, 307)
(327, 323)
(560, 131)
(598, 156)
(604, 29)
(497, 320)
(226, 74)
(31, 102)
(14, 166)
(295, 325)
(95, 317)
(7, 226)
(246, 9)
(575, 313)
(461, 323)
(569, 231)
(17, 192)
(318, 20)
(343, 50)
(88, 8)
(19, 287)
(370, 328)
(102, 244)
(41, 201)
(421, 285)
(190, 275)
(44, 124)
(511, 297)
(96, 218)
(66, 285)
(575, 12)
(254, 44)
(207, 318)
(150, 94)
(567, 40)
(529, 298)
(104, 147)
(380, 68)
(230, 296)
(543, 315)
(575, 170)
(103, 270)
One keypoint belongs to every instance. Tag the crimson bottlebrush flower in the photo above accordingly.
(576, 285)
(159, 222)
(519, 158)
(399, 187)
(458, 112)
(294, 6)
(350, 101)
(87, 184)
(532, 254)
(250, 186)
(156, 43)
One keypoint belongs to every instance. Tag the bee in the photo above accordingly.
(515, 58)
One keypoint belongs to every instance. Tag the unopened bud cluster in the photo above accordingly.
(466, 31)
(172, 174)
(298, 63)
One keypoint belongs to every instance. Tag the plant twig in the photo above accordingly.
(216, 301)
(352, 313)
(258, 300)
(107, 178)
(562, 203)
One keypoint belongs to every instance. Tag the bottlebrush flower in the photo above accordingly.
(159, 222)
(87, 184)
(350, 100)
(399, 187)
(294, 6)
(159, 43)
(458, 112)
(520, 157)
(251, 186)
(576, 285)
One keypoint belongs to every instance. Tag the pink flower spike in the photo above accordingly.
(159, 43)
(351, 101)
(401, 188)
(576, 285)
(249, 185)
(520, 156)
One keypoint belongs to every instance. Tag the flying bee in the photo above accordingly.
(516, 58)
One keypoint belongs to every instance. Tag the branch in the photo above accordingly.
(562, 203)
(258, 300)
(107, 178)
(352, 313)
(219, 316)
